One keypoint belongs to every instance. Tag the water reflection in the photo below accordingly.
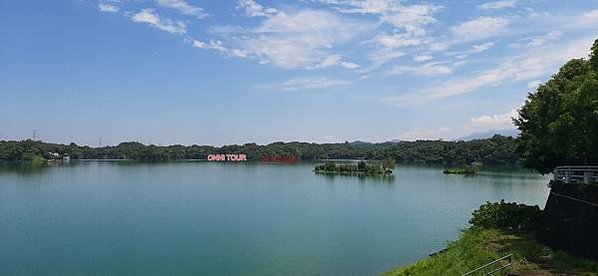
(24, 168)
(362, 178)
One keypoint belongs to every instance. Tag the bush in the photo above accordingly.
(502, 215)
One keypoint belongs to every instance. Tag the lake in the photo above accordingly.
(201, 218)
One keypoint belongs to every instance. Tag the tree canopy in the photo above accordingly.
(559, 122)
(496, 150)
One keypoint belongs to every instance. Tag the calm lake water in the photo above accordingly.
(198, 218)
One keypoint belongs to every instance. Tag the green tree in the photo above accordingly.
(388, 164)
(362, 166)
(594, 56)
(559, 122)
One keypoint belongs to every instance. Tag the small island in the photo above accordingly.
(362, 168)
(464, 170)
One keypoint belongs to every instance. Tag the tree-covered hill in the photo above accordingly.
(495, 150)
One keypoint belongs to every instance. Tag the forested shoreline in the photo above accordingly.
(498, 150)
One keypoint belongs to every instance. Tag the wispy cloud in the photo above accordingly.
(421, 58)
(537, 63)
(217, 46)
(398, 40)
(252, 8)
(498, 5)
(428, 69)
(303, 39)
(495, 121)
(481, 27)
(483, 123)
(481, 47)
(335, 60)
(151, 17)
(366, 36)
(402, 25)
(104, 7)
(183, 7)
(308, 83)
(590, 17)
(476, 48)
(381, 57)
(411, 19)
(537, 40)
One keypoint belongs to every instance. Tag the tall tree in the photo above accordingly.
(559, 122)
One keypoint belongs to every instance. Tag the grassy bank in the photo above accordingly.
(478, 247)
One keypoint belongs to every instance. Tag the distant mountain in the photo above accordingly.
(474, 136)
(359, 143)
(489, 134)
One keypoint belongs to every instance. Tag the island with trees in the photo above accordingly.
(384, 167)
(464, 169)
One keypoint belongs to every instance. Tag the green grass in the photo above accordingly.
(461, 256)
(478, 247)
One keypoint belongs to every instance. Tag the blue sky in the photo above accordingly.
(224, 72)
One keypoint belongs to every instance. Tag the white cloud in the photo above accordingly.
(533, 84)
(501, 121)
(183, 7)
(477, 48)
(411, 18)
(381, 7)
(496, 121)
(349, 65)
(380, 57)
(537, 63)
(481, 27)
(438, 47)
(408, 24)
(481, 47)
(591, 16)
(420, 58)
(428, 69)
(309, 83)
(449, 88)
(149, 16)
(335, 60)
(302, 39)
(497, 5)
(537, 40)
(104, 7)
(398, 40)
(252, 8)
(427, 134)
(217, 46)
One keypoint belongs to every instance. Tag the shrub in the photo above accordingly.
(502, 215)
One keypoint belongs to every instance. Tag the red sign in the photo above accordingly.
(283, 159)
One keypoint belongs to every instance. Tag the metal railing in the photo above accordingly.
(481, 269)
(576, 174)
